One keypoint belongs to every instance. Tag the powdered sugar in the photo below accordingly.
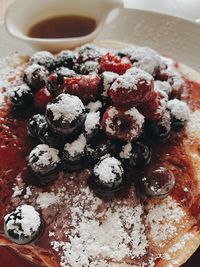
(126, 151)
(163, 86)
(136, 115)
(19, 90)
(42, 58)
(108, 169)
(67, 107)
(76, 147)
(30, 70)
(111, 113)
(94, 106)
(24, 220)
(92, 121)
(108, 78)
(146, 59)
(43, 156)
(179, 109)
(131, 78)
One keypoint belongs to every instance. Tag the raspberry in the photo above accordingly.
(115, 64)
(83, 86)
(131, 88)
(42, 98)
(124, 124)
(155, 105)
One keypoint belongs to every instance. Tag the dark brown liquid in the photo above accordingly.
(62, 27)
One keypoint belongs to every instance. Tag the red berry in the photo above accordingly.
(154, 105)
(131, 88)
(42, 98)
(124, 124)
(115, 64)
(83, 86)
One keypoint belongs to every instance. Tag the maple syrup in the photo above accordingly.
(63, 27)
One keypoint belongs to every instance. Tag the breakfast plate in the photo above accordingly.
(170, 36)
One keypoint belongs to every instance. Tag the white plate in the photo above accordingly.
(171, 36)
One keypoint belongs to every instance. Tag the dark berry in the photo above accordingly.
(36, 124)
(146, 59)
(115, 64)
(66, 58)
(126, 52)
(131, 88)
(124, 124)
(21, 96)
(135, 155)
(47, 136)
(92, 124)
(23, 224)
(96, 151)
(44, 162)
(43, 58)
(108, 173)
(42, 98)
(89, 52)
(65, 114)
(35, 76)
(89, 67)
(159, 130)
(179, 112)
(74, 153)
(83, 86)
(158, 183)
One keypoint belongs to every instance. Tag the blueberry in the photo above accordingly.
(74, 153)
(92, 124)
(88, 67)
(108, 173)
(159, 130)
(36, 125)
(135, 155)
(66, 58)
(56, 79)
(89, 52)
(66, 115)
(43, 58)
(158, 183)
(23, 224)
(96, 151)
(35, 76)
(44, 162)
(179, 112)
(21, 96)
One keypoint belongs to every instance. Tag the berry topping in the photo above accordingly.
(44, 162)
(89, 52)
(35, 76)
(43, 58)
(55, 79)
(115, 64)
(135, 155)
(36, 125)
(65, 114)
(179, 112)
(159, 130)
(92, 124)
(83, 86)
(21, 96)
(107, 79)
(126, 52)
(42, 98)
(123, 124)
(74, 152)
(94, 106)
(88, 67)
(155, 105)
(22, 225)
(131, 88)
(163, 86)
(146, 59)
(66, 58)
(108, 173)
(174, 79)
(159, 183)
